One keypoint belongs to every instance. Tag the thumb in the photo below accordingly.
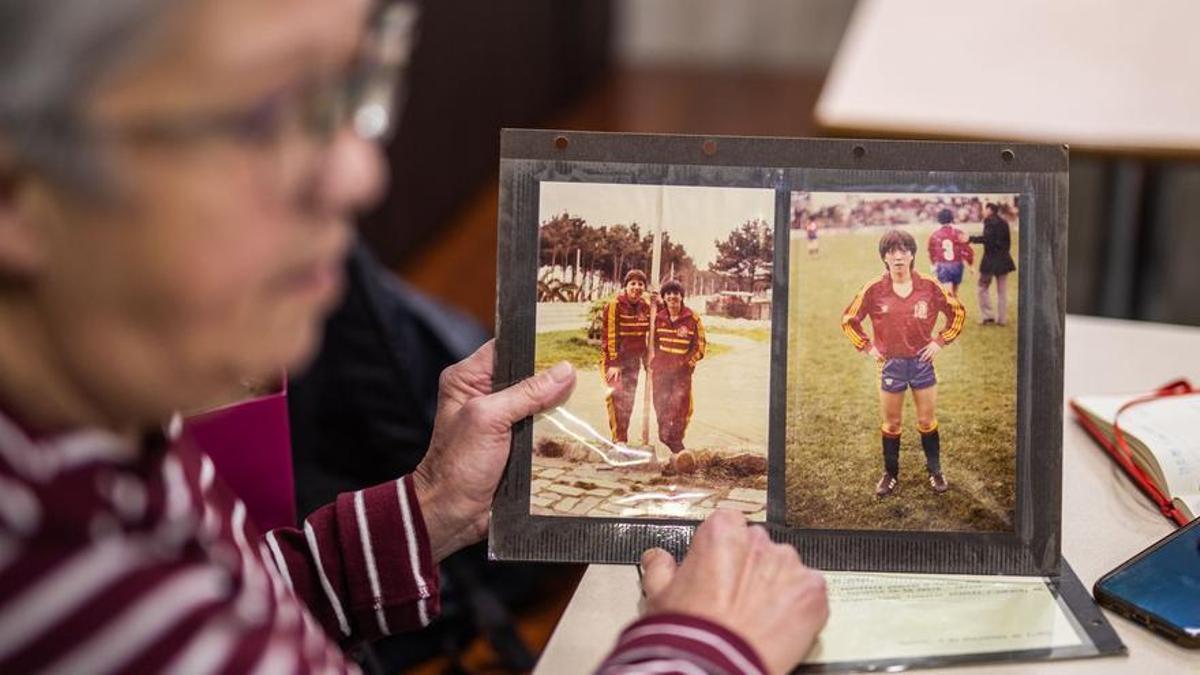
(658, 569)
(535, 394)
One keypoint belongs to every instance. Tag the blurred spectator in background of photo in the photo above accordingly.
(996, 265)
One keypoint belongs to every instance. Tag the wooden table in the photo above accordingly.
(1105, 519)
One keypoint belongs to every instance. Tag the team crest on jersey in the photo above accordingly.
(683, 332)
(921, 309)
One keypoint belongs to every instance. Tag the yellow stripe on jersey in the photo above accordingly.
(857, 338)
(956, 322)
(610, 330)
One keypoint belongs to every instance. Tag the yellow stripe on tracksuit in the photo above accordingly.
(610, 331)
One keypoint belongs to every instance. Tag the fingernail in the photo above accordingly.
(561, 371)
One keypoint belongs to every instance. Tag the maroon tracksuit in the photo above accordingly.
(678, 345)
(623, 344)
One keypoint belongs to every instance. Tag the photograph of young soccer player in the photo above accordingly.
(902, 373)
(661, 298)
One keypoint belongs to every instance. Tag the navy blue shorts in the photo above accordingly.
(900, 374)
(949, 272)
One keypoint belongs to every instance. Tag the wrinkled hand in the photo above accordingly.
(734, 575)
(457, 478)
(612, 375)
(929, 351)
(874, 353)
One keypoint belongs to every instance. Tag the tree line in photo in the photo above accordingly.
(579, 261)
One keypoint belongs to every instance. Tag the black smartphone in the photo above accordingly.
(1160, 587)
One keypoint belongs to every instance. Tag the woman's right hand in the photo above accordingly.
(736, 576)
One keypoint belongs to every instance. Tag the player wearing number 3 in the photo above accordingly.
(903, 307)
(948, 251)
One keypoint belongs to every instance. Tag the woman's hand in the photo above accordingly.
(457, 479)
(736, 576)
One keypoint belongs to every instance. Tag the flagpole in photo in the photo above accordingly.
(655, 268)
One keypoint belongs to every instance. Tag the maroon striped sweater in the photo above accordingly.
(121, 559)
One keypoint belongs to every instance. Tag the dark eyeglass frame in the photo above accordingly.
(366, 97)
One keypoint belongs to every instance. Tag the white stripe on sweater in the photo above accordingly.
(178, 498)
(22, 454)
(253, 603)
(334, 602)
(654, 653)
(696, 635)
(410, 535)
(280, 562)
(659, 666)
(364, 533)
(136, 627)
(207, 472)
(209, 650)
(19, 507)
(58, 594)
(286, 605)
(276, 658)
(91, 445)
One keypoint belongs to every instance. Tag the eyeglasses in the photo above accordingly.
(290, 129)
(365, 98)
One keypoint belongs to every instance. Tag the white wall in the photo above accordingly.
(743, 33)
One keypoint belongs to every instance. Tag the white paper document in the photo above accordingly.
(886, 616)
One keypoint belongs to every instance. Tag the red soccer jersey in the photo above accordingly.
(945, 246)
(902, 326)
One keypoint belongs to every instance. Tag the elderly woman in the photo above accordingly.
(177, 179)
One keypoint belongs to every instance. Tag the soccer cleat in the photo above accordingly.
(887, 485)
(937, 483)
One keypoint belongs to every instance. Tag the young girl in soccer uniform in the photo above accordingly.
(904, 307)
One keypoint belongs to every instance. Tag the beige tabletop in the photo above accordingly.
(1105, 519)
(1097, 74)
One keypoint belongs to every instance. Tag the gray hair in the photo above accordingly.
(52, 55)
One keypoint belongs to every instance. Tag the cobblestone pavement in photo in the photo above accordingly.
(565, 487)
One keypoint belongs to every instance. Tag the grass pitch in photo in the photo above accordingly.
(661, 298)
(902, 361)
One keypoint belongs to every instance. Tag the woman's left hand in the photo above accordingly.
(472, 433)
